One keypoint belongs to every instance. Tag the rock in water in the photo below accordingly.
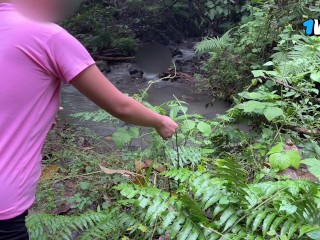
(135, 72)
(103, 66)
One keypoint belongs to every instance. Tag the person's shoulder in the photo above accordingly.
(37, 30)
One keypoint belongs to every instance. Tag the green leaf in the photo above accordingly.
(309, 229)
(134, 132)
(226, 215)
(279, 161)
(252, 106)
(267, 223)
(84, 185)
(277, 148)
(294, 157)
(313, 166)
(283, 237)
(121, 137)
(314, 235)
(258, 73)
(273, 112)
(252, 95)
(204, 127)
(272, 233)
(258, 219)
(270, 63)
(187, 125)
(283, 160)
(315, 76)
(287, 207)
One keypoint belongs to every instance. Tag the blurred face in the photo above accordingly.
(47, 10)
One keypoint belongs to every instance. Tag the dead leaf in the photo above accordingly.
(144, 165)
(62, 210)
(267, 165)
(49, 172)
(298, 174)
(124, 173)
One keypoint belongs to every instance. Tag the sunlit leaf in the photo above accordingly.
(313, 166)
(277, 148)
(315, 76)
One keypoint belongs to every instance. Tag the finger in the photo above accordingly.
(167, 138)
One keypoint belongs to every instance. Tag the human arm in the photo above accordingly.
(94, 85)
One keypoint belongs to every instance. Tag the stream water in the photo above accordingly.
(159, 92)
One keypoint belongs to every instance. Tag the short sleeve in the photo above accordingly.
(67, 55)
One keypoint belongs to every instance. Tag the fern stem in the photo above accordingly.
(215, 231)
(249, 212)
(178, 153)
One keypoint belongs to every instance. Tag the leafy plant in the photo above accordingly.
(79, 202)
(92, 225)
(124, 136)
(281, 159)
(207, 205)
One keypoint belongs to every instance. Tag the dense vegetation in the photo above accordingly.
(211, 181)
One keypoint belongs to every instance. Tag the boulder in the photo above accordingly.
(135, 72)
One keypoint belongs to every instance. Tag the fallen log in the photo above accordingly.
(301, 130)
(173, 76)
(114, 59)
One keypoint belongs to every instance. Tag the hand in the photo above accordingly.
(167, 127)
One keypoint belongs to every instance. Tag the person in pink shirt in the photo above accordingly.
(35, 56)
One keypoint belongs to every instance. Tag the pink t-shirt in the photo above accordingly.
(34, 58)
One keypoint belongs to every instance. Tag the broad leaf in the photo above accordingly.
(273, 112)
(280, 161)
(294, 157)
(313, 165)
(187, 125)
(253, 106)
(277, 148)
(204, 127)
(283, 160)
(315, 76)
(258, 73)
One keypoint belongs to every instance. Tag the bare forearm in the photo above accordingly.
(134, 112)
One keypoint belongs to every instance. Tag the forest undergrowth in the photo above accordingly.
(211, 180)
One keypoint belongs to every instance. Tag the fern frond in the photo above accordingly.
(206, 206)
(209, 45)
(96, 116)
(187, 156)
(91, 225)
(209, 207)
